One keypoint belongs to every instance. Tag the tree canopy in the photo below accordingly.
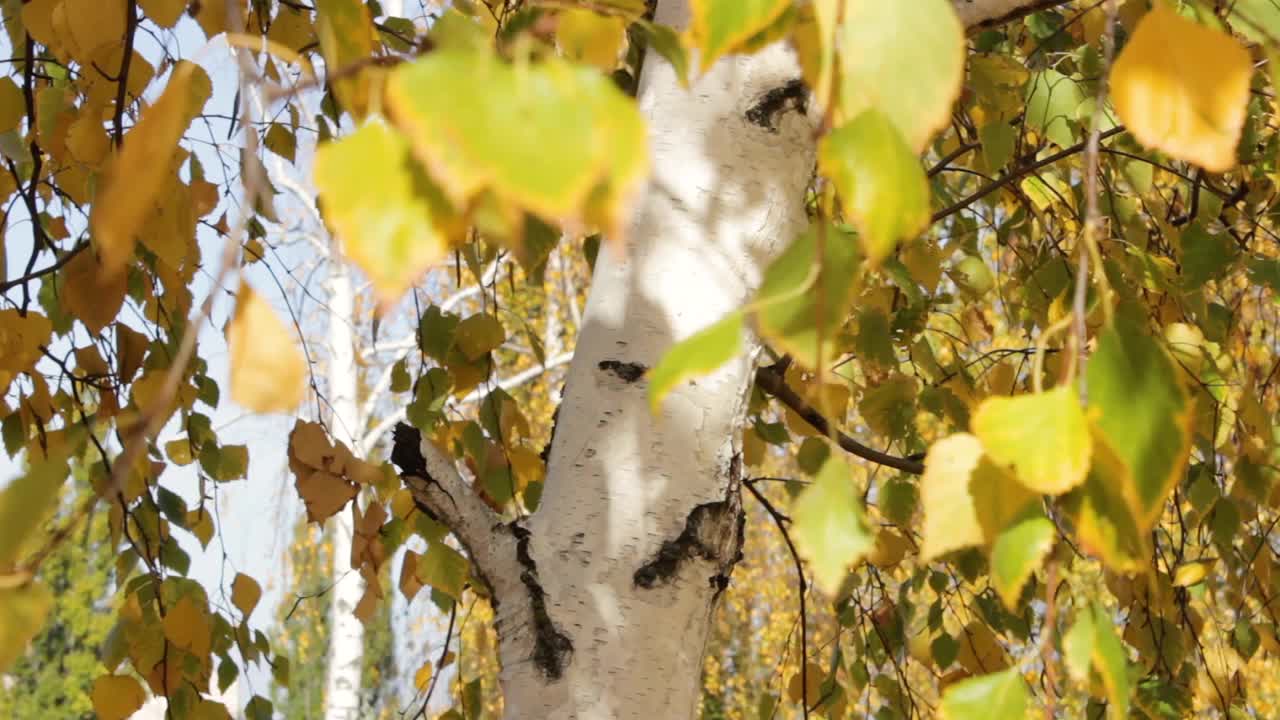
(1010, 446)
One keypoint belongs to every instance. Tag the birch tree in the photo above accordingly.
(990, 282)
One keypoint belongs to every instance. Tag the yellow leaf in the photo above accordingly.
(21, 338)
(423, 676)
(585, 36)
(324, 494)
(93, 24)
(134, 178)
(87, 140)
(12, 105)
(188, 626)
(164, 13)
(245, 593)
(1191, 573)
(346, 38)
(90, 293)
(117, 697)
(1182, 88)
(267, 368)
(201, 525)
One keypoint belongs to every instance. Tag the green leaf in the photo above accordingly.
(830, 530)
(881, 184)
(787, 306)
(1043, 436)
(1204, 257)
(697, 355)
(24, 505)
(444, 569)
(905, 59)
(1052, 99)
(1143, 413)
(577, 138)
(1017, 552)
(436, 332)
(720, 27)
(998, 140)
(393, 222)
(1258, 20)
(998, 695)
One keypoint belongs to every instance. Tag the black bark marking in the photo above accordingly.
(713, 532)
(406, 453)
(791, 96)
(628, 372)
(552, 649)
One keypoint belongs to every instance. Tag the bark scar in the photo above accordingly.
(627, 372)
(791, 96)
(552, 649)
(713, 531)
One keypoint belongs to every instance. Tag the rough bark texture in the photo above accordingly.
(346, 642)
(605, 594)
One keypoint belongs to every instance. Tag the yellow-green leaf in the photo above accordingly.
(117, 697)
(589, 37)
(22, 613)
(720, 27)
(24, 504)
(881, 184)
(392, 220)
(1182, 88)
(697, 355)
(830, 530)
(12, 105)
(905, 59)
(444, 569)
(1044, 437)
(1017, 552)
(787, 304)
(998, 695)
(577, 134)
(136, 175)
(479, 334)
(268, 372)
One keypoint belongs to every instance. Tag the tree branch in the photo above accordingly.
(772, 382)
(441, 493)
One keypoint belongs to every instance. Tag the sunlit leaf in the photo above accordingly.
(392, 220)
(1044, 437)
(1182, 88)
(589, 37)
(719, 27)
(268, 372)
(881, 184)
(967, 499)
(830, 530)
(697, 355)
(577, 135)
(998, 695)
(444, 569)
(905, 60)
(90, 292)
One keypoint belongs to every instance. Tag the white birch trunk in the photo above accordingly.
(346, 632)
(605, 594)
